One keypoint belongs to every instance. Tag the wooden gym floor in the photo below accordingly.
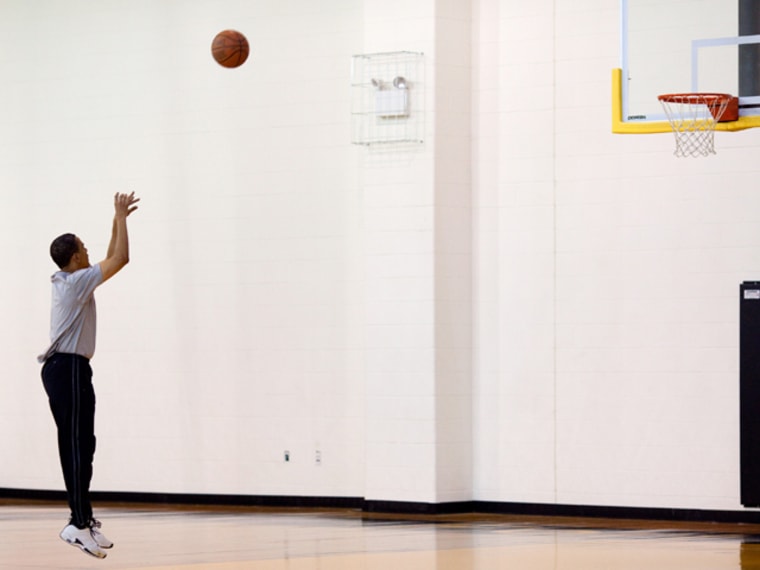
(149, 537)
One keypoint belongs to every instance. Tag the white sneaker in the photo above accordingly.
(99, 537)
(82, 538)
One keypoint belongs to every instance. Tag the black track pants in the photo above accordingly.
(68, 382)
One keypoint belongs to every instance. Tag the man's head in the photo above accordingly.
(68, 252)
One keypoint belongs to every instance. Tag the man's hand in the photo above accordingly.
(124, 204)
(118, 250)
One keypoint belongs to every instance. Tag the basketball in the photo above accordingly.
(230, 48)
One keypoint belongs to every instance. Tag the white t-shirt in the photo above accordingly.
(72, 313)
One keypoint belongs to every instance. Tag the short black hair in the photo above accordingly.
(63, 249)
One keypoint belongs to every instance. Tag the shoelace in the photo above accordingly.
(95, 525)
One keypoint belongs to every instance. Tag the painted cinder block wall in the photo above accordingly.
(524, 308)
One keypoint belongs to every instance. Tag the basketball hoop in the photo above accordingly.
(693, 117)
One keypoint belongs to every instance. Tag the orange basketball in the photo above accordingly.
(230, 48)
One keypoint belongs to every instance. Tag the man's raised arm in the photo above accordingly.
(118, 249)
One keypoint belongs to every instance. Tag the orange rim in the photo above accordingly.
(710, 98)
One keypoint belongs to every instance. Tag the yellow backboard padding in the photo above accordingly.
(644, 128)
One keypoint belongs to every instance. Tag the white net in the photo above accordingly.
(693, 117)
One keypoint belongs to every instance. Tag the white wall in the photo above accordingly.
(290, 291)
(235, 333)
(613, 296)
(515, 435)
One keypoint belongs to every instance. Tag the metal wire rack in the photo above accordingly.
(387, 99)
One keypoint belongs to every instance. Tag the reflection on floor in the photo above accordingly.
(152, 537)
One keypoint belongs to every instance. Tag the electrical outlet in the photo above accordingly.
(318, 457)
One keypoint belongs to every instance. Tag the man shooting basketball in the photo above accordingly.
(66, 372)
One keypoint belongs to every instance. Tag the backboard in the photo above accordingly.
(677, 46)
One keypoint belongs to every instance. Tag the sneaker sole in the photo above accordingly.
(82, 547)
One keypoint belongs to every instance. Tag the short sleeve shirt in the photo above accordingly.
(73, 316)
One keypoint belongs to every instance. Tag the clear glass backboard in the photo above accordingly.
(680, 46)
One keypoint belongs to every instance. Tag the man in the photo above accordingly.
(66, 372)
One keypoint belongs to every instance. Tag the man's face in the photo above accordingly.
(83, 259)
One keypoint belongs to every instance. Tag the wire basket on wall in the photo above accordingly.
(387, 99)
